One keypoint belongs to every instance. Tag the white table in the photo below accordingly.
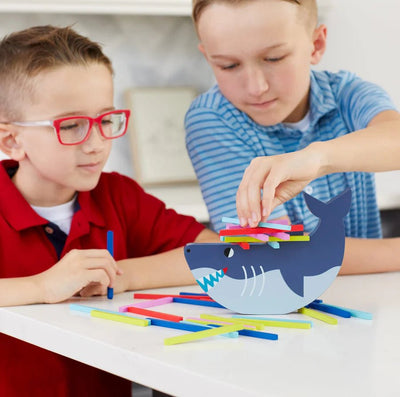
(354, 358)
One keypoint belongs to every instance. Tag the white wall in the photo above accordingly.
(363, 36)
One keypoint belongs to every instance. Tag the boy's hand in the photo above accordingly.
(280, 177)
(96, 288)
(77, 270)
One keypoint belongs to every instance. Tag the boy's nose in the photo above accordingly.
(95, 141)
(257, 82)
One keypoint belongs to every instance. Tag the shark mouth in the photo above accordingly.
(211, 279)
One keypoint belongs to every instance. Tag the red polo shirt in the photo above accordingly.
(142, 226)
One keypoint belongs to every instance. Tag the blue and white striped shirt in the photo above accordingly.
(222, 140)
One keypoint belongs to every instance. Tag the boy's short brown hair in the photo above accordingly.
(27, 53)
(308, 6)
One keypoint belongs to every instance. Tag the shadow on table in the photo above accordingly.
(390, 223)
(143, 391)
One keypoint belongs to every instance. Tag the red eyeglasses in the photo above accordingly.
(76, 129)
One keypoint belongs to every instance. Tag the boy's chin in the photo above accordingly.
(266, 117)
(266, 120)
(88, 185)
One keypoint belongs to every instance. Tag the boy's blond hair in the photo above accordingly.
(307, 8)
(27, 53)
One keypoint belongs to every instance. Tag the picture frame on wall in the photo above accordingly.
(157, 134)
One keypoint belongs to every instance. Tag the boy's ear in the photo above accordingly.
(319, 44)
(202, 50)
(9, 142)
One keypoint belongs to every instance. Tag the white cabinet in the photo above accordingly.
(139, 7)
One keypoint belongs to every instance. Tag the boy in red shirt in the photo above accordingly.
(57, 122)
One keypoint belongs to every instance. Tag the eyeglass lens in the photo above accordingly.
(75, 130)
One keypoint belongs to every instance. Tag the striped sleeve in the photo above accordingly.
(360, 101)
(220, 151)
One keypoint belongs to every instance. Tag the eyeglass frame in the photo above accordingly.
(55, 124)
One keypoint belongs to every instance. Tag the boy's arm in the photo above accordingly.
(166, 269)
(20, 291)
(371, 256)
(373, 149)
(170, 269)
(75, 271)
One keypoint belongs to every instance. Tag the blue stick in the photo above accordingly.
(258, 334)
(197, 302)
(110, 249)
(192, 293)
(356, 313)
(329, 309)
(180, 325)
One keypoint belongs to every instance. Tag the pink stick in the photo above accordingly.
(149, 303)
(281, 235)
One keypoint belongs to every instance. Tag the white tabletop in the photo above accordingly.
(354, 358)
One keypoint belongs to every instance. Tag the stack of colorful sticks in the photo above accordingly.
(210, 325)
(266, 232)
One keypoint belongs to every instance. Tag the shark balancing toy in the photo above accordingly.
(263, 280)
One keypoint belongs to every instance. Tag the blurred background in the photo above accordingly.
(152, 43)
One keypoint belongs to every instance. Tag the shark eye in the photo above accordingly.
(228, 252)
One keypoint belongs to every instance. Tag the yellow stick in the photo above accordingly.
(215, 322)
(231, 320)
(318, 315)
(120, 318)
(202, 334)
(278, 323)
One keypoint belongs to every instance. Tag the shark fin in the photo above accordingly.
(339, 205)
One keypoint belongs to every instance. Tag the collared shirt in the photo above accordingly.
(222, 140)
(61, 214)
(142, 226)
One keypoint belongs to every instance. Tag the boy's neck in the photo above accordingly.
(39, 195)
(300, 111)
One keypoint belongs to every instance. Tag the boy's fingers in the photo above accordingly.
(241, 204)
(94, 278)
(254, 198)
(106, 265)
(266, 203)
(254, 203)
(248, 199)
(96, 259)
(93, 289)
(269, 192)
(102, 253)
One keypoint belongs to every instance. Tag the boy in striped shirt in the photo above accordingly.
(268, 101)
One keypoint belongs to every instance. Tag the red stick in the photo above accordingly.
(157, 296)
(257, 230)
(152, 313)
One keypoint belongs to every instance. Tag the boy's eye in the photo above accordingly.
(74, 126)
(70, 126)
(274, 59)
(229, 67)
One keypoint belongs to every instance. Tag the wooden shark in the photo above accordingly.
(266, 280)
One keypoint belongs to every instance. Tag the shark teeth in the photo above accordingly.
(209, 281)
